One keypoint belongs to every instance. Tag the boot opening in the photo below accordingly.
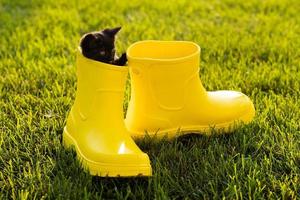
(162, 50)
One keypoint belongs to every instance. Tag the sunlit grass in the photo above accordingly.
(249, 46)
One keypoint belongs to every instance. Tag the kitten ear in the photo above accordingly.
(112, 32)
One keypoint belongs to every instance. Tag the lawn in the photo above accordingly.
(251, 46)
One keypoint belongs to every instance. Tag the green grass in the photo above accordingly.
(252, 46)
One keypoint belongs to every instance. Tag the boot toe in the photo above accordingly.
(231, 106)
(121, 152)
(115, 163)
(113, 158)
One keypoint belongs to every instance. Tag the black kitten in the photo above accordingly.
(100, 46)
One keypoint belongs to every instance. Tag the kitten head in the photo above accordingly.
(100, 45)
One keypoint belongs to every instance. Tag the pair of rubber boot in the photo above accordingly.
(167, 98)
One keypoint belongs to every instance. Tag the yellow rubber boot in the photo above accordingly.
(95, 126)
(167, 96)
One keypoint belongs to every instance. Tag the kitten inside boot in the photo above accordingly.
(100, 46)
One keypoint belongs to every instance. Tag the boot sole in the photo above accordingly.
(104, 169)
(218, 129)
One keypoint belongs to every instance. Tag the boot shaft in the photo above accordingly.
(100, 90)
(163, 70)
